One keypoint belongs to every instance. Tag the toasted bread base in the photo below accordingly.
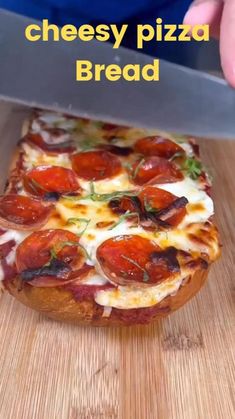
(59, 304)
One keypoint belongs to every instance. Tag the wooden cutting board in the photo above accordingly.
(179, 368)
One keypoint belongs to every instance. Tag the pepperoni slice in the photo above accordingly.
(128, 260)
(45, 179)
(157, 146)
(57, 276)
(169, 208)
(50, 258)
(95, 165)
(107, 126)
(126, 203)
(113, 128)
(115, 149)
(156, 170)
(6, 248)
(23, 213)
(54, 141)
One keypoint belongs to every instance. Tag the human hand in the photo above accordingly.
(220, 15)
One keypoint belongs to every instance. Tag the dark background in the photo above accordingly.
(204, 56)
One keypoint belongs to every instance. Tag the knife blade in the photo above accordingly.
(42, 74)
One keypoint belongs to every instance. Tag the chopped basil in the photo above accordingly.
(192, 167)
(106, 196)
(146, 277)
(92, 188)
(66, 243)
(123, 217)
(87, 144)
(127, 165)
(35, 185)
(61, 245)
(148, 207)
(54, 250)
(137, 168)
(72, 197)
(53, 254)
(79, 221)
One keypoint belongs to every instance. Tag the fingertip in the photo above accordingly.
(229, 72)
(227, 42)
(202, 13)
(192, 18)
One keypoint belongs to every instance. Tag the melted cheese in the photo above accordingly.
(18, 236)
(34, 157)
(130, 297)
(1, 274)
(120, 182)
(53, 120)
(98, 211)
(96, 280)
(191, 190)
(103, 224)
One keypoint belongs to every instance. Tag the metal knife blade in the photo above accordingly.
(42, 74)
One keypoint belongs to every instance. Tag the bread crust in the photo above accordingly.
(60, 304)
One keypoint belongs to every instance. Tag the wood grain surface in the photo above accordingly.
(180, 368)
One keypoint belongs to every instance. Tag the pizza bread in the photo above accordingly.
(105, 225)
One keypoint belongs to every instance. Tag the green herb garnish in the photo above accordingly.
(106, 196)
(97, 197)
(68, 243)
(53, 254)
(79, 221)
(127, 165)
(60, 246)
(35, 185)
(148, 207)
(113, 195)
(123, 217)
(87, 144)
(137, 168)
(192, 167)
(146, 277)
(54, 250)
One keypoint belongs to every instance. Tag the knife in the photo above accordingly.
(42, 74)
